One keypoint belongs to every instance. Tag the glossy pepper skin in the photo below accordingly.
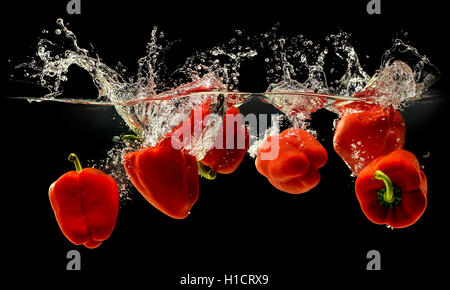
(86, 205)
(232, 141)
(167, 178)
(392, 190)
(295, 169)
(226, 156)
(369, 133)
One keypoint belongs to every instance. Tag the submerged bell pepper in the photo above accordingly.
(232, 140)
(166, 177)
(230, 146)
(392, 190)
(368, 133)
(86, 204)
(295, 169)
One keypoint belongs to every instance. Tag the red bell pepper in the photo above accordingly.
(86, 204)
(167, 178)
(231, 143)
(368, 133)
(392, 190)
(295, 169)
(226, 155)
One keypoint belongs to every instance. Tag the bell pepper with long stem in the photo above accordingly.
(392, 190)
(86, 204)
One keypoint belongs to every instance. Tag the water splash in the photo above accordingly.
(153, 102)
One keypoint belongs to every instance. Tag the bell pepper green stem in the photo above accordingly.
(389, 193)
(131, 138)
(74, 158)
(208, 174)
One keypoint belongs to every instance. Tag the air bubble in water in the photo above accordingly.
(155, 105)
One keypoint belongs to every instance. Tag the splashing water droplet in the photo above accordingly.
(152, 102)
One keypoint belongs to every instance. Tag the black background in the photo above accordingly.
(241, 224)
